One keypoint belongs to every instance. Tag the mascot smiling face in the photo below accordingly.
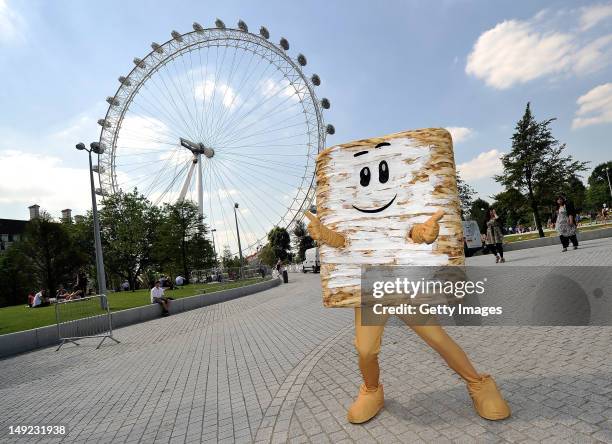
(372, 191)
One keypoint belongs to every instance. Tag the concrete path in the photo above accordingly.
(277, 366)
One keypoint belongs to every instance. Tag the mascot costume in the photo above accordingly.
(392, 200)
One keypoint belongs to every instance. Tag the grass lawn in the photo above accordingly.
(21, 317)
(550, 233)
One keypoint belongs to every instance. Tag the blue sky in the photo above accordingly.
(385, 66)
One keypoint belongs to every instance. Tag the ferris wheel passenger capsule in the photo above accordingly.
(316, 80)
(284, 43)
(139, 63)
(325, 103)
(177, 36)
(197, 27)
(243, 26)
(263, 31)
(157, 48)
(330, 129)
(125, 81)
(112, 101)
(301, 58)
(219, 24)
(103, 123)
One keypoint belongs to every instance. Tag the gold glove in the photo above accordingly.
(427, 232)
(321, 233)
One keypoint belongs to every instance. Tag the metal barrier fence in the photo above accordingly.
(229, 274)
(87, 317)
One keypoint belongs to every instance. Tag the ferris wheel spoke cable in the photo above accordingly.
(228, 224)
(226, 87)
(240, 135)
(161, 88)
(237, 158)
(237, 91)
(270, 130)
(158, 175)
(184, 169)
(171, 117)
(268, 176)
(211, 106)
(179, 110)
(189, 73)
(250, 186)
(204, 79)
(276, 110)
(232, 117)
(248, 200)
(258, 106)
(177, 78)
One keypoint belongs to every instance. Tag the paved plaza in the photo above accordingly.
(277, 366)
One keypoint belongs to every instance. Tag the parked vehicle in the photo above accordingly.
(311, 261)
(472, 239)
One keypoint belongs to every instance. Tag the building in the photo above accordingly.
(11, 230)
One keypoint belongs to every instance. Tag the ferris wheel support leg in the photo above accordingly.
(200, 187)
(186, 184)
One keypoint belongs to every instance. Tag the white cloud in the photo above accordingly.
(12, 24)
(594, 107)
(593, 15)
(485, 165)
(460, 133)
(515, 51)
(28, 178)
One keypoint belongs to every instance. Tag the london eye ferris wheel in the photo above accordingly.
(218, 116)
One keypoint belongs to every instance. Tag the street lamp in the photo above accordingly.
(608, 176)
(96, 148)
(212, 231)
(238, 235)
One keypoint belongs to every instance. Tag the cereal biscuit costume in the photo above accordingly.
(392, 200)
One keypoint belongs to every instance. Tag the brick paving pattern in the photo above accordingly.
(277, 366)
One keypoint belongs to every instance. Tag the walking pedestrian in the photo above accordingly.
(495, 236)
(566, 223)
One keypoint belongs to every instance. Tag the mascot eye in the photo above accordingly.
(364, 177)
(383, 172)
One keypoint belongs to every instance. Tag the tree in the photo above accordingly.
(302, 241)
(512, 207)
(599, 192)
(129, 225)
(181, 244)
(49, 253)
(478, 212)
(535, 164)
(466, 196)
(228, 260)
(280, 242)
(266, 255)
(17, 277)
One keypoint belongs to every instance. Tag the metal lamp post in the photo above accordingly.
(238, 235)
(212, 234)
(96, 149)
(609, 185)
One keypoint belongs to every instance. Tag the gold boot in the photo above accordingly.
(367, 405)
(488, 400)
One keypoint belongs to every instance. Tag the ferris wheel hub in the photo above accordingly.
(197, 148)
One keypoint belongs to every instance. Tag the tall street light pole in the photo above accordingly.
(212, 234)
(238, 234)
(96, 149)
(609, 185)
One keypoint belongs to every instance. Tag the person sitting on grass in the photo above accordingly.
(158, 297)
(40, 299)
